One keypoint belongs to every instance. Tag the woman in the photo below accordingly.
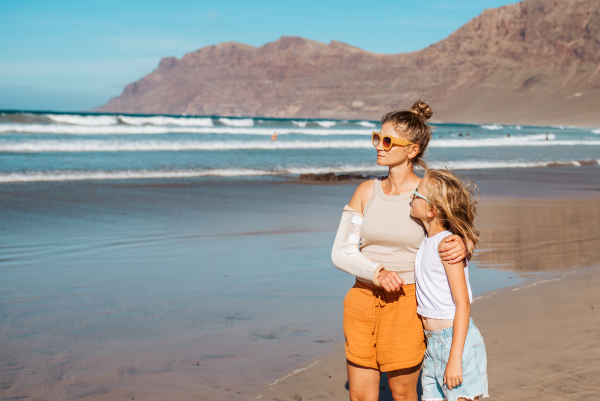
(377, 242)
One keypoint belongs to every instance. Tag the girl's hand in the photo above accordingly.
(454, 249)
(453, 375)
(390, 281)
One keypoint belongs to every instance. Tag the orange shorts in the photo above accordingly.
(382, 329)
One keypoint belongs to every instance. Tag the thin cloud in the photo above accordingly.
(212, 14)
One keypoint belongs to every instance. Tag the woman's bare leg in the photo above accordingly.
(363, 382)
(403, 383)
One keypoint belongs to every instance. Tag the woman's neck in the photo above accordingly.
(402, 179)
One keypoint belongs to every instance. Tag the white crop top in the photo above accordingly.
(434, 297)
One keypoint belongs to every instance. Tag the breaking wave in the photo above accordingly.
(146, 146)
(150, 130)
(246, 122)
(492, 127)
(326, 124)
(74, 119)
(158, 120)
(367, 124)
(37, 176)
(116, 145)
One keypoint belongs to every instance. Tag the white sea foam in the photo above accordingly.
(326, 124)
(70, 175)
(596, 131)
(124, 175)
(245, 122)
(530, 140)
(151, 130)
(122, 145)
(159, 120)
(300, 123)
(39, 146)
(367, 124)
(492, 127)
(83, 120)
(478, 164)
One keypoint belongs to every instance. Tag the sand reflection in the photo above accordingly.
(530, 235)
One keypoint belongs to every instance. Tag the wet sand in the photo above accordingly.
(541, 336)
(541, 340)
(538, 235)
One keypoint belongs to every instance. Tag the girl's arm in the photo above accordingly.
(458, 285)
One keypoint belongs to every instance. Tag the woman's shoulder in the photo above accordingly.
(362, 195)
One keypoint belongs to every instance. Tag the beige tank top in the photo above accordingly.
(389, 235)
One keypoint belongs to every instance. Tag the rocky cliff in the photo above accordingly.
(534, 62)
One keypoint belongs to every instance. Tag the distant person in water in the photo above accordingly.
(377, 241)
(274, 136)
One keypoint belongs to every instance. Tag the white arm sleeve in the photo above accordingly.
(345, 254)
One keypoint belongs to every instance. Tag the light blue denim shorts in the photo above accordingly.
(474, 365)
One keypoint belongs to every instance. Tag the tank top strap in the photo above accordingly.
(376, 190)
(437, 240)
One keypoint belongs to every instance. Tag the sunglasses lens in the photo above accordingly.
(376, 139)
(387, 142)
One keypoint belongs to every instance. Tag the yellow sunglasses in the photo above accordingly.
(388, 141)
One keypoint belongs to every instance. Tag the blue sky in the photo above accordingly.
(74, 55)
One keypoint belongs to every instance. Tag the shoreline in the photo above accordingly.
(501, 318)
(216, 338)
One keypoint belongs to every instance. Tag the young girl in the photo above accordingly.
(455, 364)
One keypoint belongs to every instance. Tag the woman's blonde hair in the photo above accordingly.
(412, 125)
(454, 202)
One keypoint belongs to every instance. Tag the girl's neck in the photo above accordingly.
(433, 227)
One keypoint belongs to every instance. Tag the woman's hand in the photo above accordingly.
(390, 281)
(453, 375)
(454, 249)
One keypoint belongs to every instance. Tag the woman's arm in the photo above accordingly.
(458, 285)
(346, 255)
(361, 196)
(455, 249)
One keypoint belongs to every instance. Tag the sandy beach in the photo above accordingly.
(541, 335)
(101, 303)
(541, 340)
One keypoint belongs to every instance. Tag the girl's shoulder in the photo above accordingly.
(439, 239)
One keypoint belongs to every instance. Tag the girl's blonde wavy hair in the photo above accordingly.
(454, 202)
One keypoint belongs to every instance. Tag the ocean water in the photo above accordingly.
(58, 147)
(179, 256)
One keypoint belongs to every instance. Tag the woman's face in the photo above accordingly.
(397, 155)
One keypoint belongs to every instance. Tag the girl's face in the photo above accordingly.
(397, 155)
(419, 207)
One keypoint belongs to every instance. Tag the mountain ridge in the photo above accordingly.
(533, 62)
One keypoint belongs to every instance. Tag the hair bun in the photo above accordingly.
(421, 110)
